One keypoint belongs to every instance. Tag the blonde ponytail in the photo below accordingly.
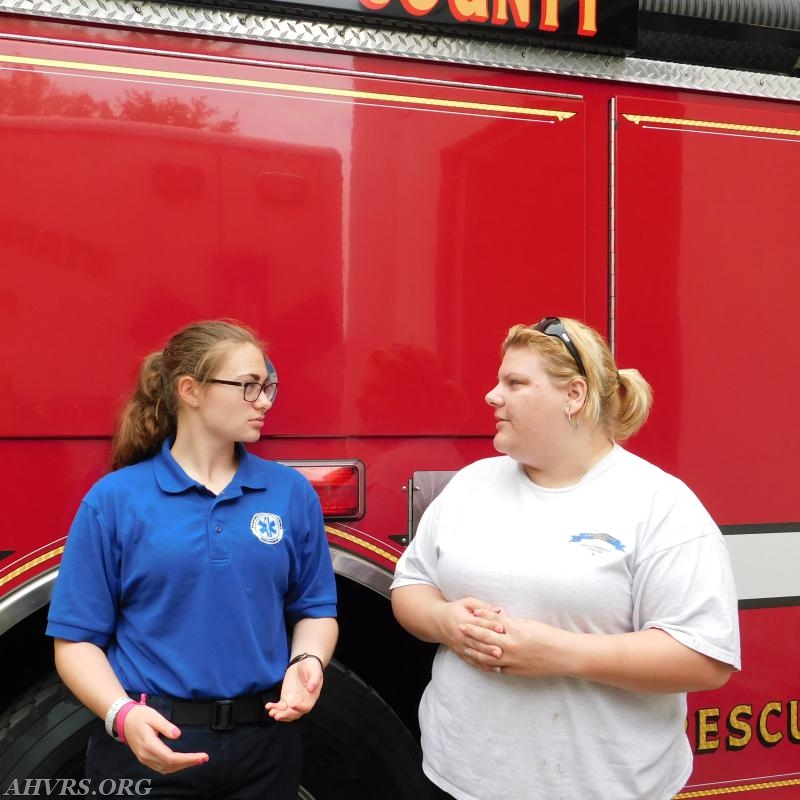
(618, 400)
(635, 400)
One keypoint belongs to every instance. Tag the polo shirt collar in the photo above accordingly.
(248, 475)
(171, 478)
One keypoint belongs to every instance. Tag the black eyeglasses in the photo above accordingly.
(252, 389)
(552, 326)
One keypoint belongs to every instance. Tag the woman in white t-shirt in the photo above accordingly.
(577, 592)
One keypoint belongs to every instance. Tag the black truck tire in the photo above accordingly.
(355, 747)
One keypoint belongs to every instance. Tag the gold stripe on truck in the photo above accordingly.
(463, 105)
(748, 787)
(29, 565)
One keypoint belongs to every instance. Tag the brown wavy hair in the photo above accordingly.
(151, 414)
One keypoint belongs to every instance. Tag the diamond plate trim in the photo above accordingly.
(406, 44)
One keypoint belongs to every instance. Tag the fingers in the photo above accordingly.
(284, 711)
(482, 644)
(492, 616)
(166, 728)
(454, 627)
(481, 660)
(144, 727)
(286, 714)
(490, 651)
(300, 703)
(487, 640)
(480, 640)
(296, 699)
(166, 764)
(491, 624)
(277, 709)
(144, 724)
(155, 754)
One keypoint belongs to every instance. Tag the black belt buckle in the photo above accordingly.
(223, 715)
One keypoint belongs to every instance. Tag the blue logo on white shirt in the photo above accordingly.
(267, 528)
(604, 537)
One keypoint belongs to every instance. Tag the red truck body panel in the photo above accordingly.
(382, 223)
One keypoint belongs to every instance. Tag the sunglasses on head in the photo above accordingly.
(553, 326)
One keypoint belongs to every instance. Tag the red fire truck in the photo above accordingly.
(381, 190)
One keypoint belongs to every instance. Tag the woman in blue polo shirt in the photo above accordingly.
(195, 607)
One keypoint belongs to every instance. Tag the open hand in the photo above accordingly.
(300, 691)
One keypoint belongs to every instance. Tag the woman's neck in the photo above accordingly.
(569, 467)
(212, 464)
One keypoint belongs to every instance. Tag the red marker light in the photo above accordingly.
(339, 484)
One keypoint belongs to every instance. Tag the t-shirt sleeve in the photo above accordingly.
(84, 603)
(687, 588)
(419, 562)
(314, 591)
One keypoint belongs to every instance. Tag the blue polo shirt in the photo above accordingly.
(191, 593)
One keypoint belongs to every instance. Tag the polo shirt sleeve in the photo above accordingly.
(313, 593)
(84, 603)
(685, 586)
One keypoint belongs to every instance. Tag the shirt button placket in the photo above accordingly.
(217, 542)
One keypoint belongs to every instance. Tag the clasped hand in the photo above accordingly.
(489, 639)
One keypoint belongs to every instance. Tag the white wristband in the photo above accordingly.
(112, 712)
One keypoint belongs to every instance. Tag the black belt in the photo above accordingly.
(220, 715)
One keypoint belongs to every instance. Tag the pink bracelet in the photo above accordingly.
(119, 722)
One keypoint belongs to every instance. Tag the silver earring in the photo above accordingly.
(572, 424)
(195, 403)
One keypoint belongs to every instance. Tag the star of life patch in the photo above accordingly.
(267, 528)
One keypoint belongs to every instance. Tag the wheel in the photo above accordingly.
(355, 746)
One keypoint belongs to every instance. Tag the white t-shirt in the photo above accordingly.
(628, 548)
